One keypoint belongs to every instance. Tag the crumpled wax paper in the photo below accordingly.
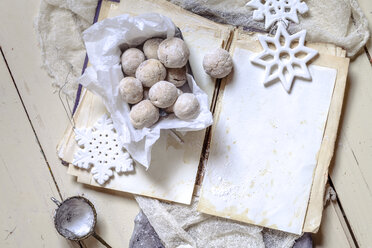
(105, 42)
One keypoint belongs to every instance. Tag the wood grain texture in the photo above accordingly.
(333, 231)
(352, 171)
(116, 212)
(26, 182)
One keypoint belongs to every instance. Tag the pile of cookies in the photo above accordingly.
(152, 80)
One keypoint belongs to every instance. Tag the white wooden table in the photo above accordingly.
(32, 121)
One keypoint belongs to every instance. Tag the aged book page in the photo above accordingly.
(262, 167)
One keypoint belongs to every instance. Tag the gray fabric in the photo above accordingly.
(304, 242)
(144, 235)
(277, 239)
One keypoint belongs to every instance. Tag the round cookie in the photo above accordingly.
(163, 94)
(131, 90)
(169, 110)
(173, 53)
(176, 76)
(130, 60)
(186, 106)
(218, 64)
(144, 114)
(150, 71)
(150, 48)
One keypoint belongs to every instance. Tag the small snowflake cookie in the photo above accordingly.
(277, 10)
(100, 149)
(284, 57)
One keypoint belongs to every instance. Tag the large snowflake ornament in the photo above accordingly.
(284, 57)
(100, 148)
(277, 10)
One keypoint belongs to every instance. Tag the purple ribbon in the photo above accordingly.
(78, 93)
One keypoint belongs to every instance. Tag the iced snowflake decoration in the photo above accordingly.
(101, 150)
(284, 57)
(277, 10)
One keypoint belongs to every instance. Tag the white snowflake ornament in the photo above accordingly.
(277, 10)
(284, 57)
(100, 148)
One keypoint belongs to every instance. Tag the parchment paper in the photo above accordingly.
(105, 41)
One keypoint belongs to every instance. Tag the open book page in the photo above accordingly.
(265, 145)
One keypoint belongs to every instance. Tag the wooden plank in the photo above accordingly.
(333, 231)
(366, 6)
(26, 211)
(352, 172)
(49, 119)
(116, 211)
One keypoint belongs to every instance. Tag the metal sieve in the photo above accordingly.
(75, 219)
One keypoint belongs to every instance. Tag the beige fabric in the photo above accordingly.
(346, 27)
(59, 26)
